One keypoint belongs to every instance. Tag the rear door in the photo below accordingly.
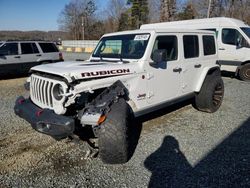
(191, 62)
(29, 55)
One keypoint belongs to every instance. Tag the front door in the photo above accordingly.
(229, 53)
(164, 78)
(9, 58)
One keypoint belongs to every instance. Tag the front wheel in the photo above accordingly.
(244, 72)
(114, 134)
(210, 97)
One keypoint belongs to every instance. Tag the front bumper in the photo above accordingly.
(44, 120)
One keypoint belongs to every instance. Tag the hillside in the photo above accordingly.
(32, 35)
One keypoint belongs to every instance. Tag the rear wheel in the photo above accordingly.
(210, 97)
(244, 72)
(114, 134)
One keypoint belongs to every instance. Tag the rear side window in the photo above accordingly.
(48, 47)
(191, 46)
(208, 45)
(29, 48)
(168, 43)
(9, 49)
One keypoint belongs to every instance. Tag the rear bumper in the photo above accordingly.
(44, 120)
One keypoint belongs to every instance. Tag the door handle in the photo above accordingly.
(17, 57)
(38, 55)
(178, 69)
(197, 66)
(221, 48)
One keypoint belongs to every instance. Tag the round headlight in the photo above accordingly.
(58, 92)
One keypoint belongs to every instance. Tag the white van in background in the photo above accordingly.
(233, 38)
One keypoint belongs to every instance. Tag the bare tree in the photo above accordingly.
(74, 15)
(188, 12)
(115, 9)
(168, 10)
(154, 13)
(211, 7)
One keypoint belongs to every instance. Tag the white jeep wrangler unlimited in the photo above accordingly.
(128, 75)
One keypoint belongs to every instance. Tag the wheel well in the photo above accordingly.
(246, 62)
(239, 67)
(214, 70)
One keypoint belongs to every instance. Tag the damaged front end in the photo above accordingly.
(59, 126)
(44, 120)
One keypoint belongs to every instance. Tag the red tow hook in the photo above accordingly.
(39, 113)
(21, 101)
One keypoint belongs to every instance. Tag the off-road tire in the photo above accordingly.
(210, 97)
(114, 134)
(244, 72)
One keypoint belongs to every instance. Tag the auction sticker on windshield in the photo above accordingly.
(141, 37)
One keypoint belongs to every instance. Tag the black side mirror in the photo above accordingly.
(239, 43)
(159, 56)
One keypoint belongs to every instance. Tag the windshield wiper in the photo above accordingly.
(100, 55)
(106, 60)
(120, 56)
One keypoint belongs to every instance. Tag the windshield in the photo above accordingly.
(246, 30)
(130, 46)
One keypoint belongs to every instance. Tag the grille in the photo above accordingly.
(41, 91)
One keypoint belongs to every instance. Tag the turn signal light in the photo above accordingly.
(101, 119)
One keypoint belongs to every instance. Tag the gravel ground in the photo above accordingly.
(178, 147)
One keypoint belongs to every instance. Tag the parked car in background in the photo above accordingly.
(233, 39)
(19, 56)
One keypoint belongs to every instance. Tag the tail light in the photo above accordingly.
(60, 56)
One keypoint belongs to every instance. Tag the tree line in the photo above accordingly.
(34, 35)
(82, 21)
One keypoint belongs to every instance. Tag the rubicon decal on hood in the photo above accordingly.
(106, 73)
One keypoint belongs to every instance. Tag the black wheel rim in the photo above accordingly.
(246, 74)
(218, 95)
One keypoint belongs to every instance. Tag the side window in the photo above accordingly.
(48, 47)
(208, 45)
(191, 46)
(29, 48)
(9, 49)
(231, 36)
(168, 43)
